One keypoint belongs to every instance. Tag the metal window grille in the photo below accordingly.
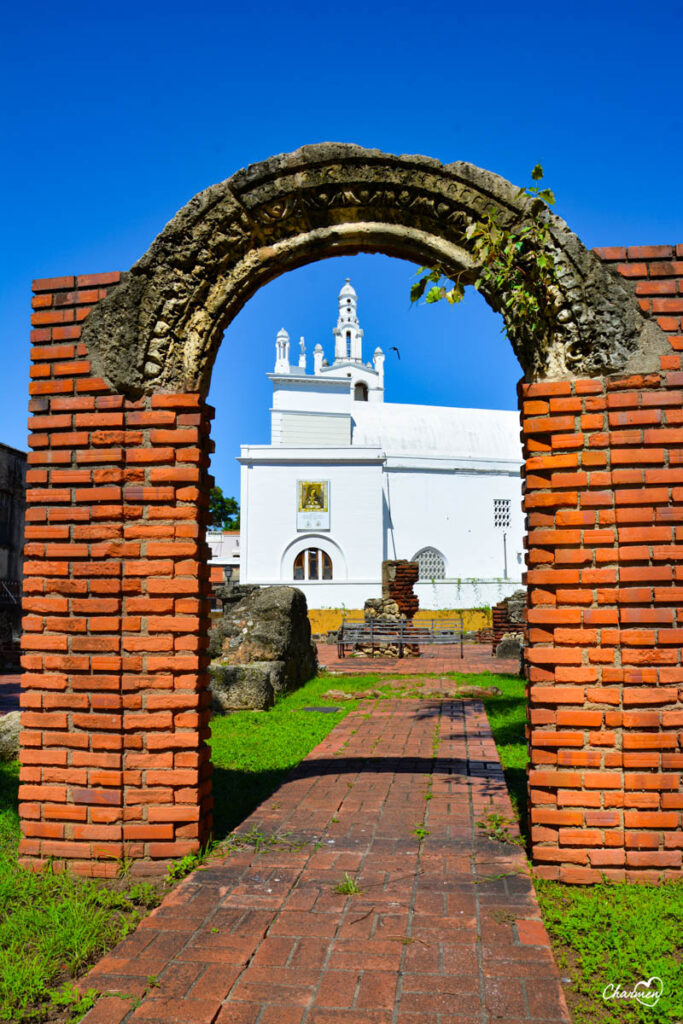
(501, 512)
(431, 564)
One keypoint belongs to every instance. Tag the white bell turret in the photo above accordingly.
(282, 352)
(348, 336)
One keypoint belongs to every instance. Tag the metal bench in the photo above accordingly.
(402, 634)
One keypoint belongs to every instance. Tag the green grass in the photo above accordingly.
(617, 933)
(52, 925)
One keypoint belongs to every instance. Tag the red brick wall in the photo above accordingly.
(115, 718)
(604, 497)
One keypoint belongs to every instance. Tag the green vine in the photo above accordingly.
(513, 264)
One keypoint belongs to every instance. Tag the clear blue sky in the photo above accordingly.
(115, 116)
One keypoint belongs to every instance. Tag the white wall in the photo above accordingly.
(270, 539)
(453, 512)
(311, 395)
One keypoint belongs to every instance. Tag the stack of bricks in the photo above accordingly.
(398, 580)
(604, 498)
(115, 709)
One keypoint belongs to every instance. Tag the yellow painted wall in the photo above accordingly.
(325, 619)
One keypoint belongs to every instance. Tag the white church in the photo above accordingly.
(349, 480)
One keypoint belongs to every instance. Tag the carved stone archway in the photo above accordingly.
(115, 758)
(160, 330)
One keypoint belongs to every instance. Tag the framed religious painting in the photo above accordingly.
(313, 504)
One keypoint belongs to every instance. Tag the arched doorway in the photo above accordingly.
(121, 404)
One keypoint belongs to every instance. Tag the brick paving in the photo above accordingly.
(476, 658)
(445, 931)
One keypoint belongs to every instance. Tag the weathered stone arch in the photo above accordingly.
(161, 328)
(115, 761)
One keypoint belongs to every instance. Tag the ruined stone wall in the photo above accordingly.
(398, 580)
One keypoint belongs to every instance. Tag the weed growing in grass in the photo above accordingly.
(178, 869)
(497, 826)
(68, 998)
(348, 886)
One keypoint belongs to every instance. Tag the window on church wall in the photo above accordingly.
(431, 564)
(501, 512)
(312, 564)
(360, 392)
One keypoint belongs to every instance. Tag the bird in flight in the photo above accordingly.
(394, 349)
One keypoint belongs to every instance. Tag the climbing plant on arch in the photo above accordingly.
(114, 752)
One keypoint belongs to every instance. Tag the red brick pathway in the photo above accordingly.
(446, 931)
(477, 658)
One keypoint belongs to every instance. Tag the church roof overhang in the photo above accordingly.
(265, 453)
(438, 464)
(310, 380)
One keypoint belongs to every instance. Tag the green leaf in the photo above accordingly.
(417, 290)
(434, 294)
(456, 294)
(547, 195)
(537, 173)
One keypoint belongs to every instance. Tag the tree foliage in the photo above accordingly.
(514, 263)
(224, 512)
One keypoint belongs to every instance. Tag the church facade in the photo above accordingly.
(350, 480)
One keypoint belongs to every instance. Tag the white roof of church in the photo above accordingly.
(437, 431)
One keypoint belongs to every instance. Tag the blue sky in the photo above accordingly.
(115, 116)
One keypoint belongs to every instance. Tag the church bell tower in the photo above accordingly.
(348, 336)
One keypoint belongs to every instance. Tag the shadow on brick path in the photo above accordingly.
(445, 930)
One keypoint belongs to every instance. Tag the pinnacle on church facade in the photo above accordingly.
(348, 350)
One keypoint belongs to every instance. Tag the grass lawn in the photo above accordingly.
(52, 926)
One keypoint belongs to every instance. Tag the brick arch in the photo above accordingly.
(114, 753)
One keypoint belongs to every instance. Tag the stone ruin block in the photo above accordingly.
(262, 645)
